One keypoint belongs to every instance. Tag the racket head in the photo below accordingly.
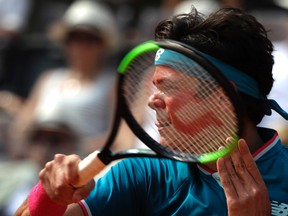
(196, 127)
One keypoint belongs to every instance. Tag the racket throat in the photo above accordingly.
(105, 156)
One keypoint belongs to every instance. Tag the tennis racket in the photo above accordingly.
(184, 112)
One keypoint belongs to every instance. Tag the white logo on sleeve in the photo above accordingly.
(279, 209)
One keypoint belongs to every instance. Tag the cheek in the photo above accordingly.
(175, 107)
(186, 120)
(177, 114)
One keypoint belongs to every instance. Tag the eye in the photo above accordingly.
(170, 89)
(205, 89)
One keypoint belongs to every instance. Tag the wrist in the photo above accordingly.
(40, 204)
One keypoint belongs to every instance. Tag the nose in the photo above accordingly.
(156, 100)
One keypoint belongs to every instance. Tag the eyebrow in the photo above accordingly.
(167, 81)
(175, 81)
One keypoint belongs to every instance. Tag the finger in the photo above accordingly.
(241, 170)
(44, 176)
(71, 174)
(249, 162)
(236, 181)
(236, 168)
(254, 172)
(225, 179)
(238, 162)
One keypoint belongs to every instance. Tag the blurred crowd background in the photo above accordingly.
(58, 62)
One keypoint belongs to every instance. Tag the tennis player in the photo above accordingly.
(250, 181)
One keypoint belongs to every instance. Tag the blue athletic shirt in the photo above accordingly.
(151, 186)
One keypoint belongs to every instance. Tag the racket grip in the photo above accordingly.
(88, 168)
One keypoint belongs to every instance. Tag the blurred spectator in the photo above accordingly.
(80, 95)
(70, 108)
(30, 52)
(48, 138)
(45, 140)
(46, 12)
(14, 15)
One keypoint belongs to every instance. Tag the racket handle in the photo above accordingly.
(88, 168)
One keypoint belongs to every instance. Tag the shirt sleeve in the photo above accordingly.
(120, 192)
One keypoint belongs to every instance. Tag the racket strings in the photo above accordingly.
(210, 138)
(210, 114)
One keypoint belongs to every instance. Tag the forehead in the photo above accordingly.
(164, 72)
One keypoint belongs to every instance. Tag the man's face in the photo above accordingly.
(179, 104)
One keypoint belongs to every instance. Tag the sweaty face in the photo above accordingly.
(179, 105)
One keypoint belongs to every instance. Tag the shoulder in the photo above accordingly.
(144, 173)
(138, 183)
(155, 169)
(51, 75)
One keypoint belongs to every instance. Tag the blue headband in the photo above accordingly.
(243, 82)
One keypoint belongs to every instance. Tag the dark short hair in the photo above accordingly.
(233, 36)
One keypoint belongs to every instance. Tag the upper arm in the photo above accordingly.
(26, 113)
(33, 98)
(23, 119)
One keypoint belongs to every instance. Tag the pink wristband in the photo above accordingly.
(40, 204)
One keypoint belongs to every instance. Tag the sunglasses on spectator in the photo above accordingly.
(83, 37)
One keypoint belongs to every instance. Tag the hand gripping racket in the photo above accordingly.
(176, 102)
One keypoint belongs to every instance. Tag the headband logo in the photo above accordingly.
(158, 54)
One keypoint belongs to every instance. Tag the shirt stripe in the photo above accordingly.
(265, 148)
(257, 154)
(85, 208)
